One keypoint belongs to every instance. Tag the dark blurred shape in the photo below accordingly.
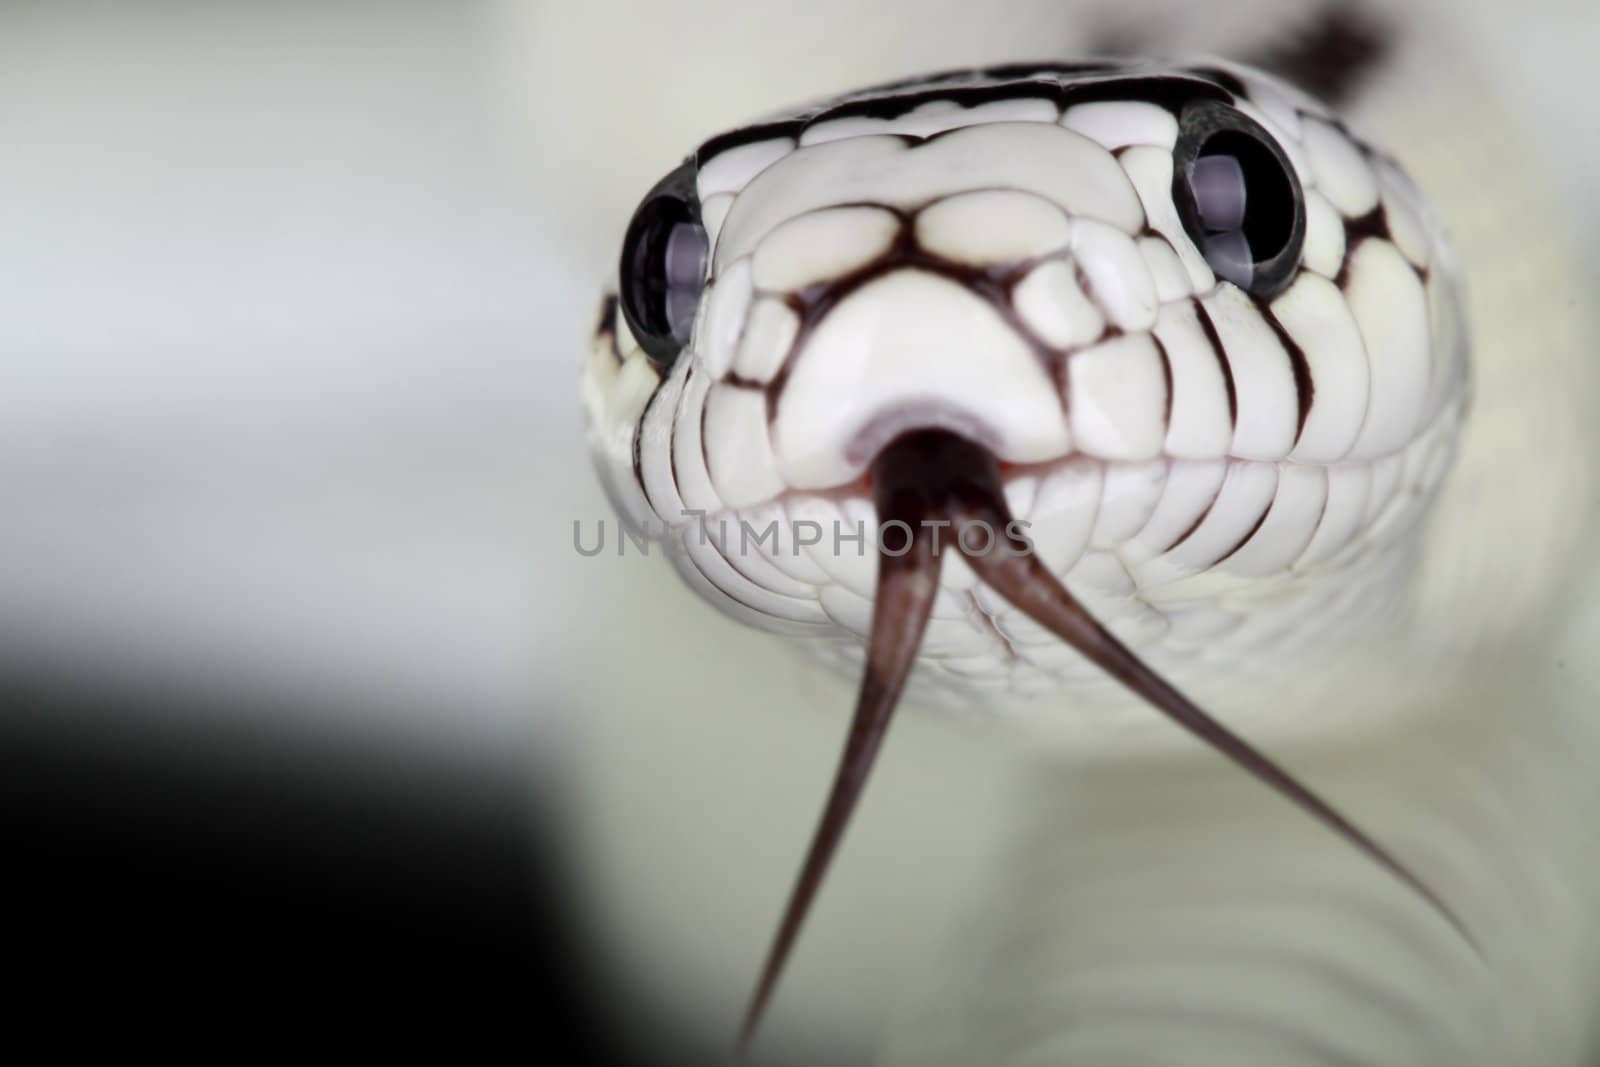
(1333, 54)
(1330, 54)
(190, 883)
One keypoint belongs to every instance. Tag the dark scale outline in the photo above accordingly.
(993, 284)
(606, 328)
(1204, 512)
(1260, 519)
(1166, 376)
(1062, 85)
(1305, 386)
(1210, 330)
(638, 445)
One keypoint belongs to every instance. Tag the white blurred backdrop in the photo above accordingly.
(292, 303)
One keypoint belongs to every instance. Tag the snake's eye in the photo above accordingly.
(664, 266)
(1238, 197)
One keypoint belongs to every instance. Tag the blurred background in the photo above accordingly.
(314, 726)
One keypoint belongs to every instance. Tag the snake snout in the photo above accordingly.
(871, 285)
(912, 350)
(998, 314)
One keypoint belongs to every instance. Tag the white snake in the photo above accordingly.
(1024, 278)
(1217, 467)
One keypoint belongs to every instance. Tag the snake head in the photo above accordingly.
(1211, 336)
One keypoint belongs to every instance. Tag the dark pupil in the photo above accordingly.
(666, 269)
(1244, 201)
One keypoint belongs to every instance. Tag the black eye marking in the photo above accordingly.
(664, 260)
(1238, 197)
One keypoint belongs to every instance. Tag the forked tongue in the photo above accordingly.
(935, 477)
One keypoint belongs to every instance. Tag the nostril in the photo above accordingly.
(907, 421)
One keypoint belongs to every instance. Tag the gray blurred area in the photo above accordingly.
(269, 293)
(292, 304)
